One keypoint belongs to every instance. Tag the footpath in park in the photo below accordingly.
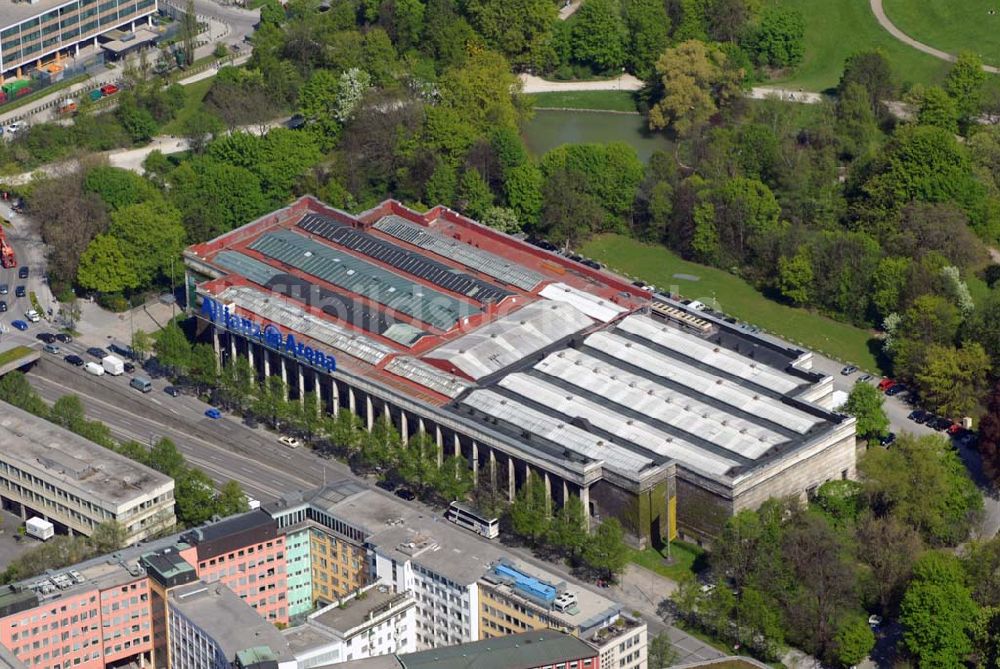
(879, 11)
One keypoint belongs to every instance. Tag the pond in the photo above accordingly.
(551, 128)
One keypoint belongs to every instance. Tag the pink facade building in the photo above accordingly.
(106, 612)
(247, 554)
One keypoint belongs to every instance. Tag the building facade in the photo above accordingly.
(531, 650)
(32, 32)
(298, 560)
(52, 473)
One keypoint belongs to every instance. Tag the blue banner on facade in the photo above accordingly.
(269, 336)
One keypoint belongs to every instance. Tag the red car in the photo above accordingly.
(109, 89)
(955, 429)
(885, 384)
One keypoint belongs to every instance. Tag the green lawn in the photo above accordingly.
(599, 100)
(684, 557)
(837, 28)
(951, 25)
(194, 95)
(13, 354)
(657, 265)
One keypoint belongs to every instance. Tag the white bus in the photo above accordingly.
(467, 517)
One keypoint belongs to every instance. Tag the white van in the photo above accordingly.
(94, 368)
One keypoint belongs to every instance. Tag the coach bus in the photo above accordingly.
(471, 519)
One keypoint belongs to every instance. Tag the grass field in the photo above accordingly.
(837, 28)
(950, 25)
(657, 265)
(14, 354)
(684, 555)
(194, 96)
(599, 100)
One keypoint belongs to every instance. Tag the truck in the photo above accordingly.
(67, 106)
(7, 257)
(113, 365)
(39, 528)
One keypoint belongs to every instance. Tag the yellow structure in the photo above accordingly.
(338, 567)
(501, 614)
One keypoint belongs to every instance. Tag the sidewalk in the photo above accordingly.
(98, 326)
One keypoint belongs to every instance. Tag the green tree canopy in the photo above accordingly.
(697, 81)
(599, 35)
(779, 39)
(106, 268)
(517, 28)
(865, 404)
(118, 187)
(937, 612)
(648, 29)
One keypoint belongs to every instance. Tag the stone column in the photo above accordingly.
(565, 491)
(369, 412)
(585, 500)
(250, 358)
(439, 442)
(232, 346)
(284, 362)
(352, 401)
(548, 493)
(217, 345)
(493, 467)
(511, 479)
(302, 385)
(457, 446)
(475, 464)
(334, 396)
(404, 427)
(267, 363)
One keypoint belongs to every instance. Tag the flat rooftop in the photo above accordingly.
(73, 463)
(15, 12)
(353, 613)
(227, 619)
(517, 651)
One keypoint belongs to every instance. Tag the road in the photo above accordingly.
(879, 11)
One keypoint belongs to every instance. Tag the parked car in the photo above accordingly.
(874, 621)
(74, 360)
(213, 413)
(848, 370)
(406, 493)
(51, 348)
(98, 353)
(3, 306)
(887, 439)
(20, 291)
(955, 429)
(32, 315)
(4, 288)
(895, 389)
(885, 384)
(109, 89)
(20, 325)
(172, 391)
(592, 264)
(919, 416)
(940, 424)
(95, 368)
(291, 442)
(13, 127)
(129, 367)
(63, 338)
(863, 379)
(46, 337)
(22, 272)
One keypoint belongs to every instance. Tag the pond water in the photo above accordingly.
(549, 129)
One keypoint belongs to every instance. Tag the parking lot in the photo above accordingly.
(12, 544)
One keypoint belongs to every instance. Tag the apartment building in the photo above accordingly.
(209, 626)
(547, 649)
(52, 473)
(373, 622)
(33, 31)
(247, 555)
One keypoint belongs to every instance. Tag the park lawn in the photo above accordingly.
(194, 96)
(950, 25)
(13, 354)
(685, 556)
(598, 100)
(837, 28)
(656, 264)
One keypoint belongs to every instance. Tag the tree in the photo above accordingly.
(517, 28)
(939, 109)
(204, 366)
(200, 129)
(501, 219)
(15, 389)
(986, 637)
(137, 121)
(599, 35)
(922, 482)
(988, 443)
(888, 547)
(152, 237)
(271, 402)
(173, 348)
(865, 403)
(938, 612)
(606, 550)
(779, 39)
(442, 186)
(474, 195)
(953, 380)
(648, 29)
(854, 640)
(529, 512)
(70, 217)
(404, 22)
(661, 652)
(318, 103)
(142, 344)
(214, 197)
(108, 537)
(166, 459)
(795, 276)
(231, 500)
(964, 84)
(857, 127)
(872, 71)
(453, 479)
(744, 210)
(238, 381)
(568, 528)
(189, 32)
(106, 268)
(697, 81)
(484, 92)
(67, 412)
(195, 497)
(119, 188)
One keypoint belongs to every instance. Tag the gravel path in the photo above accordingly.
(884, 21)
(533, 84)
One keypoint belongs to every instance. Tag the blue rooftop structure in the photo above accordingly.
(529, 585)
